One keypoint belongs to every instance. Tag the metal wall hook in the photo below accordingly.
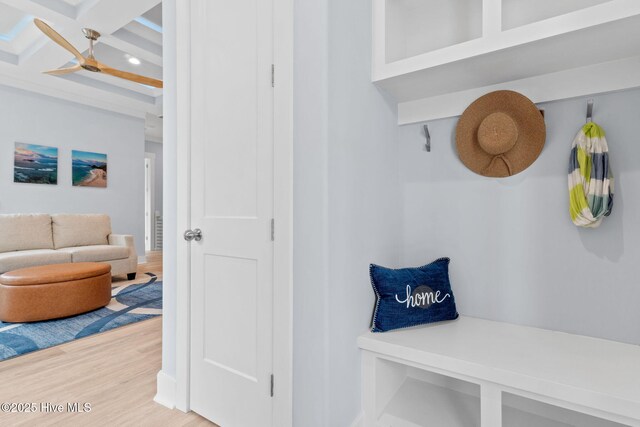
(589, 110)
(428, 137)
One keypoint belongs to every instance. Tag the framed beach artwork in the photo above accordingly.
(35, 164)
(88, 169)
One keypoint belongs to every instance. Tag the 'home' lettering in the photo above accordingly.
(422, 299)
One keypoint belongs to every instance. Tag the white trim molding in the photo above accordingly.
(183, 211)
(589, 80)
(165, 390)
(283, 214)
(283, 208)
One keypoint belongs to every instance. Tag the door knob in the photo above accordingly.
(190, 235)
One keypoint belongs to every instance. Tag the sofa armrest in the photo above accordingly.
(124, 240)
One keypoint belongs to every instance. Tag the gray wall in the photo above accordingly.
(515, 254)
(346, 201)
(156, 148)
(35, 119)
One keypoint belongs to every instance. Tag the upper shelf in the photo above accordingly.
(436, 56)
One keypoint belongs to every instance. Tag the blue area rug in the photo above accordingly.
(129, 304)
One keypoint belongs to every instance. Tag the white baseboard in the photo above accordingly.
(165, 390)
(359, 421)
(142, 259)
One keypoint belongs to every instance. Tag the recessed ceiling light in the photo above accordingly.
(134, 60)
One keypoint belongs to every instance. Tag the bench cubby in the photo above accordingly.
(474, 372)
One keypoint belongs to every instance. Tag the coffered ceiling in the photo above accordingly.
(131, 41)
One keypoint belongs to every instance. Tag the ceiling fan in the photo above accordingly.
(90, 63)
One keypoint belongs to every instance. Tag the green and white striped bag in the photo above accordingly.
(590, 177)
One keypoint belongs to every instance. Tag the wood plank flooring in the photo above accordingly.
(115, 372)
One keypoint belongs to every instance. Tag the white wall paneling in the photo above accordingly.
(515, 254)
(346, 197)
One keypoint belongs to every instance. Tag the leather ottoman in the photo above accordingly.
(54, 291)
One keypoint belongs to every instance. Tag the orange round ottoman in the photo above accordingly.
(54, 291)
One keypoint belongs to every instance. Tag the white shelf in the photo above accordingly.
(413, 61)
(593, 377)
(407, 19)
(419, 403)
(518, 13)
(422, 404)
(521, 412)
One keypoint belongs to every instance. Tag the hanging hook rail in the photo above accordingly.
(589, 110)
(428, 137)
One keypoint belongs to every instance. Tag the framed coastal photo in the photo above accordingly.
(88, 169)
(35, 164)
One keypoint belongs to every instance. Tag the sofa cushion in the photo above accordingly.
(96, 253)
(14, 260)
(80, 230)
(25, 231)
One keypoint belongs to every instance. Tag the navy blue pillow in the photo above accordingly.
(412, 296)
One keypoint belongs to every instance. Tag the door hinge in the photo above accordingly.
(273, 229)
(273, 75)
(271, 385)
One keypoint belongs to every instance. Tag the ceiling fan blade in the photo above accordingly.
(63, 71)
(53, 35)
(131, 76)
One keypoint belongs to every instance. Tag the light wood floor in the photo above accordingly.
(114, 371)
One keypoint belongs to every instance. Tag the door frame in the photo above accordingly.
(151, 222)
(283, 211)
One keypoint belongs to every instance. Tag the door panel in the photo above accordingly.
(232, 203)
(232, 106)
(231, 287)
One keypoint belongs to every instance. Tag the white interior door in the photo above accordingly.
(232, 203)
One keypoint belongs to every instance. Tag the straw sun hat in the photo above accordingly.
(500, 134)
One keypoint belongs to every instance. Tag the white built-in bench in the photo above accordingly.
(473, 372)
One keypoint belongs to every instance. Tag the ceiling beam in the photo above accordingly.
(38, 53)
(15, 76)
(49, 55)
(132, 49)
(108, 16)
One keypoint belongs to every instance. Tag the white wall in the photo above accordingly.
(310, 221)
(515, 255)
(36, 119)
(346, 204)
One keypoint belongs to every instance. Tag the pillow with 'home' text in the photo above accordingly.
(408, 297)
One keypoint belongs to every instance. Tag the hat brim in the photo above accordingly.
(531, 134)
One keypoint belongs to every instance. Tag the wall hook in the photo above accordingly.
(589, 110)
(428, 136)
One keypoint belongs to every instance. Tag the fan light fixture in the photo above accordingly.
(90, 63)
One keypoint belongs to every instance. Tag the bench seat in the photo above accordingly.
(588, 375)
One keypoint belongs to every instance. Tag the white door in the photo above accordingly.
(232, 203)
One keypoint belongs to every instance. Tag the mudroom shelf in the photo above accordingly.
(436, 57)
(474, 372)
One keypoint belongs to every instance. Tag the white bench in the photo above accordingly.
(473, 372)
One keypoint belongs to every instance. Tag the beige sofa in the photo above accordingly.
(28, 240)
